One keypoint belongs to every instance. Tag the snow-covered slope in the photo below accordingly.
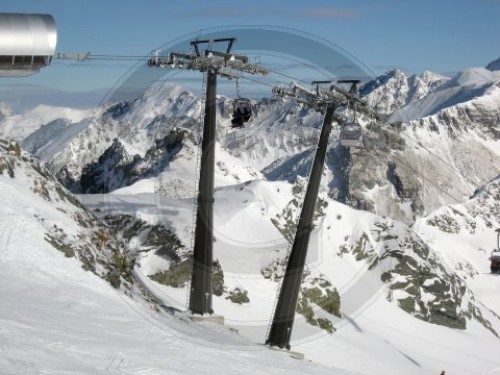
(464, 233)
(54, 311)
(58, 316)
(391, 285)
(383, 274)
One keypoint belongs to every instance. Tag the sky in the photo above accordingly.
(442, 35)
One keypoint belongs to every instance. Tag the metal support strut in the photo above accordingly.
(200, 301)
(282, 324)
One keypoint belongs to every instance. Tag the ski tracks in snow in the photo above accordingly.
(6, 232)
(6, 227)
(5, 236)
(14, 235)
(115, 364)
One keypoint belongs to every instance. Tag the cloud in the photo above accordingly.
(331, 13)
(224, 12)
(237, 12)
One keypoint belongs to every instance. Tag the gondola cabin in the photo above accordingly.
(242, 112)
(495, 255)
(495, 261)
(27, 43)
(351, 135)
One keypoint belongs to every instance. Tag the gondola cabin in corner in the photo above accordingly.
(495, 255)
(495, 261)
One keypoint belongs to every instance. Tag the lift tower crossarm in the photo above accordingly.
(223, 62)
(214, 63)
(320, 98)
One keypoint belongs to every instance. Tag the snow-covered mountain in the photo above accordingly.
(395, 89)
(69, 303)
(449, 130)
(476, 85)
(456, 229)
(494, 65)
(17, 126)
(402, 232)
(33, 198)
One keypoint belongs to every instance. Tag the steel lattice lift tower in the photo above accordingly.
(325, 100)
(214, 63)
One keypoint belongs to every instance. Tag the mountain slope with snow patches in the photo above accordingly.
(390, 242)
(476, 85)
(280, 140)
(58, 315)
(19, 126)
(395, 89)
(382, 271)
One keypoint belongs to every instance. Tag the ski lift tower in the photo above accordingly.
(325, 100)
(206, 59)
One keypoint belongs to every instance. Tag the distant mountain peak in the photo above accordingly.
(395, 74)
(494, 65)
(395, 89)
(474, 76)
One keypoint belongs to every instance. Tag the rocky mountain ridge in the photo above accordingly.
(279, 142)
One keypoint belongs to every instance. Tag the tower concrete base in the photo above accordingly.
(291, 353)
(216, 319)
